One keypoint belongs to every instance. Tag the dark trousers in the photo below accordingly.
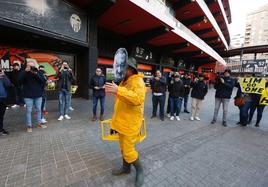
(95, 104)
(44, 99)
(161, 101)
(2, 113)
(168, 105)
(185, 101)
(244, 112)
(259, 108)
(175, 106)
(19, 96)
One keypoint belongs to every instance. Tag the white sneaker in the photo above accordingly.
(60, 118)
(43, 120)
(192, 118)
(71, 108)
(14, 106)
(67, 117)
(172, 118)
(168, 115)
(178, 118)
(197, 118)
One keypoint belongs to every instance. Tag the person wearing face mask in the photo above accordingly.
(127, 118)
(97, 83)
(65, 80)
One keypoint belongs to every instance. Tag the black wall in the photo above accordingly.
(48, 16)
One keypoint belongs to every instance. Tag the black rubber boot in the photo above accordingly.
(139, 173)
(125, 169)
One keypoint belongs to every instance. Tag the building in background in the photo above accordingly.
(257, 27)
(237, 41)
(170, 35)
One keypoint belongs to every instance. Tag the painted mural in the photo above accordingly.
(51, 61)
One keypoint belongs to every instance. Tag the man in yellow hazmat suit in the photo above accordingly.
(127, 118)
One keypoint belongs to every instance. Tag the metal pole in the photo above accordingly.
(255, 57)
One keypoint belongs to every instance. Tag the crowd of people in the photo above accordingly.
(179, 87)
(29, 87)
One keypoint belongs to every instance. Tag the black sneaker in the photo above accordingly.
(152, 117)
(4, 132)
(224, 124)
(257, 125)
(213, 121)
(186, 111)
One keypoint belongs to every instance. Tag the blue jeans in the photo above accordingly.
(185, 100)
(37, 102)
(244, 112)
(175, 105)
(64, 102)
(161, 101)
(44, 99)
(95, 104)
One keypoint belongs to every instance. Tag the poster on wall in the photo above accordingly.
(51, 61)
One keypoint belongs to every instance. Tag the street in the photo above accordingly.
(185, 153)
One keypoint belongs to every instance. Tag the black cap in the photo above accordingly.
(228, 71)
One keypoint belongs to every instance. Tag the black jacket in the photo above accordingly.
(176, 89)
(200, 90)
(187, 84)
(100, 82)
(33, 84)
(159, 86)
(14, 77)
(224, 90)
(65, 76)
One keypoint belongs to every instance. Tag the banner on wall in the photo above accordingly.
(252, 84)
(51, 61)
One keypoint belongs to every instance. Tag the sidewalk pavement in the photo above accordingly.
(185, 153)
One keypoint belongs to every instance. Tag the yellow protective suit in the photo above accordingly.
(128, 114)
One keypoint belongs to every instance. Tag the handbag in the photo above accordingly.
(239, 101)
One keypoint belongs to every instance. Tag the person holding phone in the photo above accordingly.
(198, 93)
(224, 88)
(97, 83)
(33, 85)
(65, 80)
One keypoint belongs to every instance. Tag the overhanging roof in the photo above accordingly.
(247, 50)
(128, 17)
